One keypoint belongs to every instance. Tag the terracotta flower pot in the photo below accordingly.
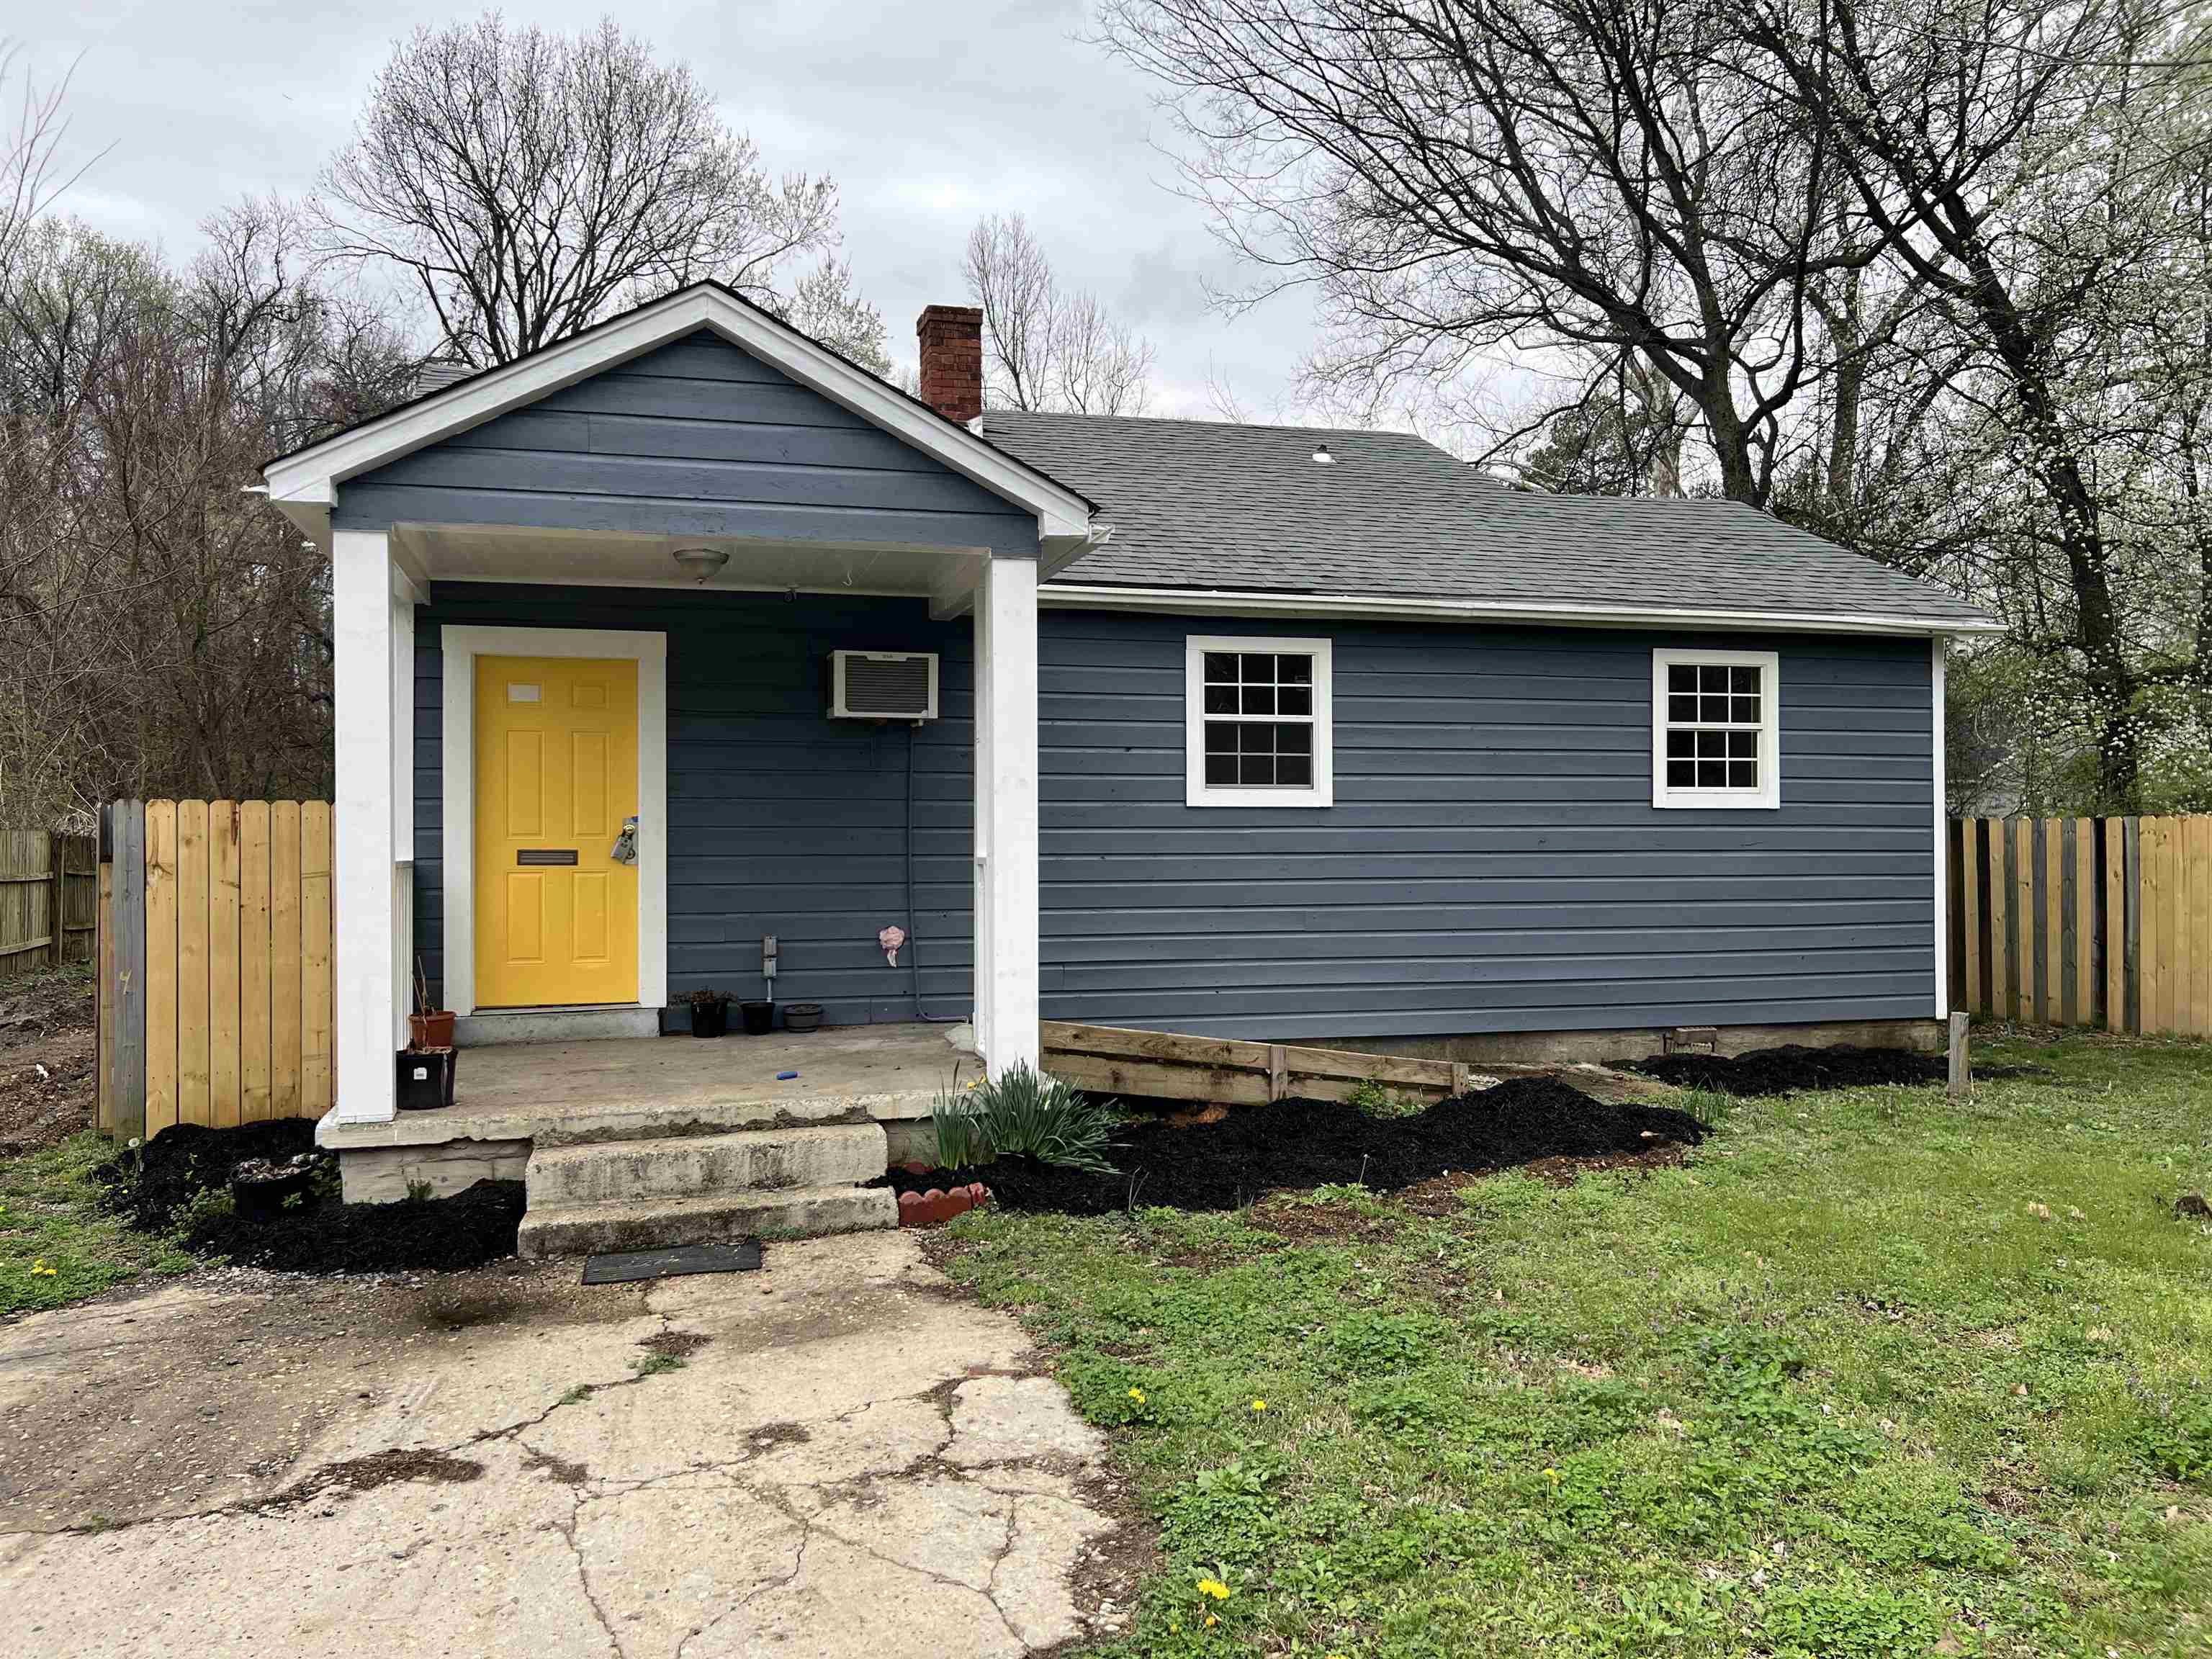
(432, 1030)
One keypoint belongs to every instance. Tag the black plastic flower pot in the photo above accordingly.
(759, 1018)
(710, 1019)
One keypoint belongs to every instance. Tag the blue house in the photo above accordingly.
(1225, 730)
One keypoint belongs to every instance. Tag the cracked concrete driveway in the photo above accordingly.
(837, 1456)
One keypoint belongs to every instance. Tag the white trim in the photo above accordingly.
(1228, 602)
(461, 645)
(366, 881)
(1942, 839)
(1196, 791)
(1007, 977)
(309, 479)
(1768, 796)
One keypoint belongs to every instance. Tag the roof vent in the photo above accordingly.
(1322, 456)
(436, 373)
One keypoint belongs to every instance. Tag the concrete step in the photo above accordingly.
(694, 1166)
(661, 1224)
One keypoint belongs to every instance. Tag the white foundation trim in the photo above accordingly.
(1935, 665)
(1228, 602)
(1006, 955)
(461, 644)
(366, 877)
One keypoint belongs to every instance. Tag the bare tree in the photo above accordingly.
(1044, 348)
(1614, 184)
(528, 184)
(160, 630)
(31, 170)
(2015, 159)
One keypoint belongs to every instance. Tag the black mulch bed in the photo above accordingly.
(1296, 1144)
(475, 1225)
(186, 1159)
(1783, 1070)
(154, 1187)
(1779, 1071)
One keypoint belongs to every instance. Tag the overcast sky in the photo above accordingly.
(926, 117)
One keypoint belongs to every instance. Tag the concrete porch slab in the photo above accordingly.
(632, 1089)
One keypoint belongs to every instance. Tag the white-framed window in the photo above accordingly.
(1257, 722)
(1715, 729)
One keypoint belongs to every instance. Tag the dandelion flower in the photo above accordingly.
(1214, 1588)
(1137, 1394)
(1259, 1404)
(1211, 1621)
(1551, 1475)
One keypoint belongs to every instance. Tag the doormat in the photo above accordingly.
(625, 1266)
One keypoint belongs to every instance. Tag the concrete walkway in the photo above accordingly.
(838, 1455)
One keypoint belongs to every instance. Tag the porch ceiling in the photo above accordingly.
(463, 553)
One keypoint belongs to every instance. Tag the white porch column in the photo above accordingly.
(1006, 814)
(363, 884)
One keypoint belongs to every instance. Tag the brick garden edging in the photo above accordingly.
(934, 1208)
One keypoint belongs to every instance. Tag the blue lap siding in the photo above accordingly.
(781, 820)
(1492, 861)
(696, 438)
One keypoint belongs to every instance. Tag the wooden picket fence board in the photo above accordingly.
(49, 898)
(2101, 923)
(217, 995)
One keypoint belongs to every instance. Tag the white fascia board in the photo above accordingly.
(312, 476)
(1224, 602)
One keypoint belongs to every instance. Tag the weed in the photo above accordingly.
(1369, 1342)
(653, 1364)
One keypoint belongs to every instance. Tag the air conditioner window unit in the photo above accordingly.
(883, 685)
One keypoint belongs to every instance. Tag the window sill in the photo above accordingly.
(1275, 798)
(1707, 800)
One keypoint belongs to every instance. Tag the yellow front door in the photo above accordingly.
(556, 773)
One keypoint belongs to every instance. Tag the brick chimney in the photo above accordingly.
(952, 360)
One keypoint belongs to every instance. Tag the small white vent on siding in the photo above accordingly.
(883, 685)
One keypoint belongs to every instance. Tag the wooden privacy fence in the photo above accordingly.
(215, 971)
(48, 888)
(2099, 923)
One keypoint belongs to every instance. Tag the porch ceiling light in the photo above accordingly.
(701, 563)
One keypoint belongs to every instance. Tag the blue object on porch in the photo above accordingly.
(785, 1076)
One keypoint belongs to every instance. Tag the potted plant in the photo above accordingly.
(802, 1016)
(710, 1013)
(427, 1027)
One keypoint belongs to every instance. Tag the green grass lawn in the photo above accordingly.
(1878, 1372)
(54, 1245)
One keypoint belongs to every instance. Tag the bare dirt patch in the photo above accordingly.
(383, 1468)
(46, 1059)
(203, 1394)
(675, 1344)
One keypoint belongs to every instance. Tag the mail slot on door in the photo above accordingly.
(545, 855)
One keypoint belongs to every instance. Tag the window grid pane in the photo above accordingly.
(1714, 725)
(1258, 720)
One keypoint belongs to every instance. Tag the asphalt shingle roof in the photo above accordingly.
(1210, 505)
